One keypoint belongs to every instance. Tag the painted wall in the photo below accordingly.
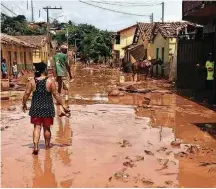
(126, 38)
(22, 55)
(169, 45)
(40, 54)
(172, 45)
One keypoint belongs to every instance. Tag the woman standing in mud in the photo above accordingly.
(42, 109)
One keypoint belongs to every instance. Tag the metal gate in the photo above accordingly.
(190, 53)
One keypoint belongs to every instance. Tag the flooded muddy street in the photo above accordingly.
(156, 139)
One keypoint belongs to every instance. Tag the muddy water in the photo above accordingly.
(121, 142)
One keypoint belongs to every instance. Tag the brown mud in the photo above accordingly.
(158, 139)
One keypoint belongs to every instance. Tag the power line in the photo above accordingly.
(128, 2)
(8, 9)
(113, 10)
(124, 5)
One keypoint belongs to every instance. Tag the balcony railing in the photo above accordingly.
(192, 6)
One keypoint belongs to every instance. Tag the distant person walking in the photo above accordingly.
(4, 69)
(61, 70)
(15, 70)
(42, 109)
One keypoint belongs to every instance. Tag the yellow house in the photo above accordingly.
(124, 38)
(160, 41)
(40, 41)
(16, 50)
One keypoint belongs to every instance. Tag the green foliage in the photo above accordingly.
(18, 25)
(92, 43)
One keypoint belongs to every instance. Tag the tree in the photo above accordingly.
(92, 43)
(18, 25)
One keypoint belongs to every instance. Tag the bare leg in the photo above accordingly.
(66, 98)
(59, 80)
(36, 138)
(47, 136)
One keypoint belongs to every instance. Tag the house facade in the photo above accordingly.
(16, 50)
(123, 38)
(160, 41)
(41, 51)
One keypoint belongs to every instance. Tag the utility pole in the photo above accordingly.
(162, 11)
(48, 27)
(39, 13)
(152, 17)
(32, 10)
(27, 4)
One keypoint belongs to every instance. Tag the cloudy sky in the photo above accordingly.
(79, 12)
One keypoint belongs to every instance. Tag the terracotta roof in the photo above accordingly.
(135, 25)
(138, 52)
(147, 30)
(8, 39)
(38, 40)
(170, 29)
(166, 29)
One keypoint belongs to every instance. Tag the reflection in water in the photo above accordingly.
(89, 82)
(64, 138)
(46, 178)
(100, 139)
(100, 97)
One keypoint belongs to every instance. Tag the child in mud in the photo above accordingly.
(42, 109)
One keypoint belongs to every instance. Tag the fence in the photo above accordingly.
(190, 53)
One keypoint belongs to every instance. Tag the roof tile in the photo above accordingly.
(8, 39)
(167, 29)
(38, 40)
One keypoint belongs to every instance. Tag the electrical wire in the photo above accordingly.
(125, 4)
(8, 9)
(130, 3)
(116, 11)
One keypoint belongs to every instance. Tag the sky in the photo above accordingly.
(79, 12)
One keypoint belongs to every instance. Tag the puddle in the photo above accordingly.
(207, 127)
(111, 134)
(114, 125)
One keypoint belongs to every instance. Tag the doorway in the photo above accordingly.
(25, 60)
(9, 63)
(162, 57)
(157, 56)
